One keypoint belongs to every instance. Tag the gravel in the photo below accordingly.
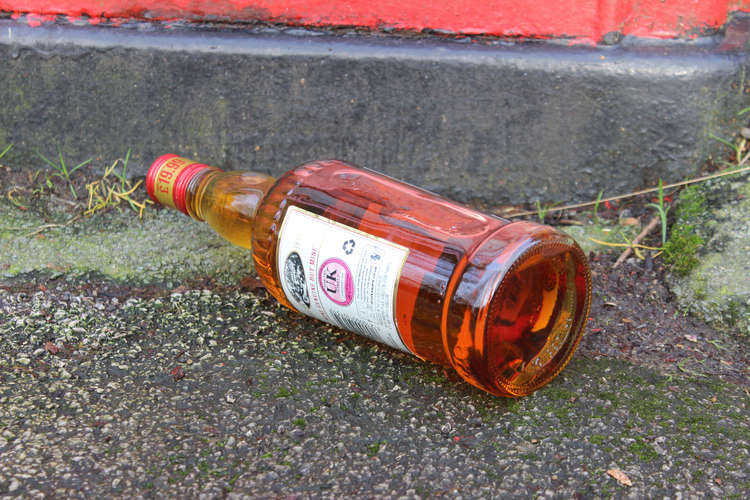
(108, 389)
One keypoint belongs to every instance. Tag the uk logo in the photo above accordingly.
(336, 281)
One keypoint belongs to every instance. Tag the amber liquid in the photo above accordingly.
(503, 303)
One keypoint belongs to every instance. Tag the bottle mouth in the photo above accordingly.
(536, 316)
(168, 178)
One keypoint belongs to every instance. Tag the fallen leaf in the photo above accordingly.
(691, 338)
(51, 347)
(620, 476)
(177, 373)
(251, 284)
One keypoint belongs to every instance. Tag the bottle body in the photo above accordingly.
(503, 303)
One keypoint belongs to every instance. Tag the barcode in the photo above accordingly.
(362, 327)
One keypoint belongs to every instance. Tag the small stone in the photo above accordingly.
(14, 485)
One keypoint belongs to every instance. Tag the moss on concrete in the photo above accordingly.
(709, 253)
(680, 250)
(165, 246)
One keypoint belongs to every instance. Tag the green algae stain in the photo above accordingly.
(163, 247)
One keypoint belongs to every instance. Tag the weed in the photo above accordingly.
(373, 449)
(542, 211)
(62, 170)
(737, 148)
(104, 193)
(203, 467)
(716, 344)
(559, 393)
(643, 450)
(5, 151)
(283, 392)
(596, 206)
(660, 207)
(736, 169)
(596, 439)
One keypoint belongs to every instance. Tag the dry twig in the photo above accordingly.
(653, 223)
(50, 226)
(637, 193)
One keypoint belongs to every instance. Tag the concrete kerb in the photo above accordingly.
(491, 121)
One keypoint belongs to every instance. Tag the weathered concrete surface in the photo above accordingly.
(164, 247)
(487, 120)
(118, 379)
(718, 288)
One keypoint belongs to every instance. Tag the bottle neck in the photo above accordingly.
(171, 178)
(195, 192)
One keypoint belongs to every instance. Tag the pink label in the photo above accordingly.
(336, 281)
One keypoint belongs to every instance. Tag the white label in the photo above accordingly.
(341, 275)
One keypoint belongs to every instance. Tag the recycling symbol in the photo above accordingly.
(348, 247)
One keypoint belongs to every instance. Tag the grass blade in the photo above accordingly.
(725, 142)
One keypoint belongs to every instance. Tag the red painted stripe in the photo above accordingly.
(586, 20)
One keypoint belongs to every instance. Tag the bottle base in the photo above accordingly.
(525, 322)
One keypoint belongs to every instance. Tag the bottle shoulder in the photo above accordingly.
(335, 186)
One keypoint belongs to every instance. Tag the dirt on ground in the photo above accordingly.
(633, 317)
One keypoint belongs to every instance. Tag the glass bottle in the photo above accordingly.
(503, 303)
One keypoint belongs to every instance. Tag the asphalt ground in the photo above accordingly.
(141, 358)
